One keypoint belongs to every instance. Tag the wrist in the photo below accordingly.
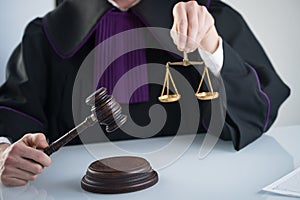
(3, 147)
(210, 41)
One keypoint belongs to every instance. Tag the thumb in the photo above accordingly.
(37, 140)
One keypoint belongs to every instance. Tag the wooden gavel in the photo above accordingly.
(105, 110)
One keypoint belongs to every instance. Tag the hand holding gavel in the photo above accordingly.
(22, 161)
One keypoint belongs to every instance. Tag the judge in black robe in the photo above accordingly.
(37, 95)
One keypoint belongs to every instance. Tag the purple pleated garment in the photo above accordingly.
(112, 23)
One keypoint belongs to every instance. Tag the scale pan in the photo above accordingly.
(169, 98)
(207, 95)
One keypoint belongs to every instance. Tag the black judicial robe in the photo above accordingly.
(37, 95)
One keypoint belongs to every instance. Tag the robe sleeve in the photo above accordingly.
(254, 91)
(23, 95)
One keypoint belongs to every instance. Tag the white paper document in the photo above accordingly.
(287, 185)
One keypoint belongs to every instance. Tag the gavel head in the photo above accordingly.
(106, 109)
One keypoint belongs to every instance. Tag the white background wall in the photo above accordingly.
(274, 22)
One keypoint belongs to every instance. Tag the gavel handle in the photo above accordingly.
(53, 147)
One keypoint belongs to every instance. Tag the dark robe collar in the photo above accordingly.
(72, 23)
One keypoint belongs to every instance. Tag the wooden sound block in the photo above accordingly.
(119, 175)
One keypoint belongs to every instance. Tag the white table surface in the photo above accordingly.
(223, 174)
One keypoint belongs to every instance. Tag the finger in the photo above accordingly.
(17, 161)
(8, 181)
(174, 34)
(205, 22)
(180, 20)
(35, 155)
(201, 18)
(25, 152)
(193, 26)
(37, 140)
(20, 150)
(23, 175)
(14, 172)
(30, 166)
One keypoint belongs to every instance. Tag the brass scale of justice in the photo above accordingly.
(167, 97)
